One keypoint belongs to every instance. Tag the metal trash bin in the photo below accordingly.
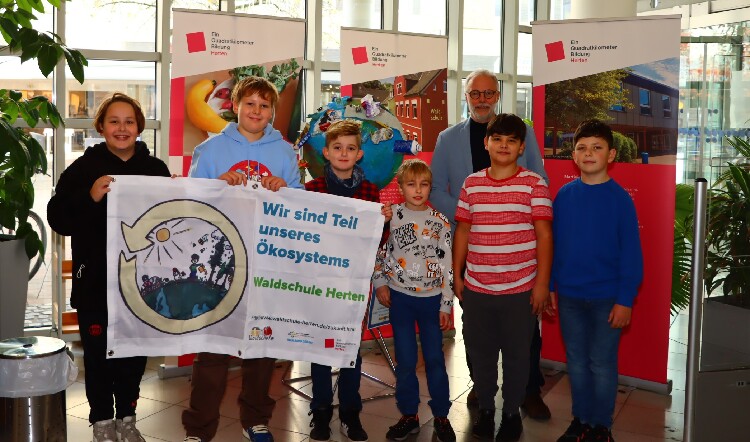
(34, 373)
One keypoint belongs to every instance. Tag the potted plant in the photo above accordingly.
(726, 337)
(21, 156)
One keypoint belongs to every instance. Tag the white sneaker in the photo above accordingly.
(126, 431)
(104, 431)
(192, 439)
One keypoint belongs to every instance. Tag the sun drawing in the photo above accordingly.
(162, 239)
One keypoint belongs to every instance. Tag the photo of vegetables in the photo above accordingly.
(208, 100)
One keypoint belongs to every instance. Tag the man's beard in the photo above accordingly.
(483, 118)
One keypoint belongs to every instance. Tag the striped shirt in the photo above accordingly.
(502, 242)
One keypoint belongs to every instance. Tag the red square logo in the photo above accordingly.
(555, 51)
(359, 55)
(196, 42)
(329, 343)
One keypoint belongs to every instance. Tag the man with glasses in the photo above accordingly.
(460, 152)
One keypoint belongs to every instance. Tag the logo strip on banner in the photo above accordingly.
(388, 54)
(563, 49)
(208, 41)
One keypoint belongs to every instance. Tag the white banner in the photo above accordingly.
(197, 265)
(211, 41)
(388, 54)
(564, 49)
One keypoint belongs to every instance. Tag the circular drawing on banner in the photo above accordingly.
(185, 272)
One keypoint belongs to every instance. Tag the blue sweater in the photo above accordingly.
(596, 242)
(230, 150)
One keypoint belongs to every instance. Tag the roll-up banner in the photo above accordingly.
(211, 51)
(625, 72)
(406, 76)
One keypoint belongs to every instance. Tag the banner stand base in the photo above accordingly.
(172, 371)
(629, 381)
(386, 354)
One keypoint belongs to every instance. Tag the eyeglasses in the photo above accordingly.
(489, 93)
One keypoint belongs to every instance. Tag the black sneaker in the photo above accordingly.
(351, 427)
(443, 430)
(576, 432)
(320, 423)
(510, 428)
(484, 427)
(408, 424)
(599, 434)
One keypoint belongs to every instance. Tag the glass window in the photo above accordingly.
(644, 98)
(44, 21)
(422, 16)
(276, 8)
(560, 9)
(618, 107)
(526, 11)
(523, 64)
(481, 35)
(24, 77)
(330, 86)
(104, 77)
(523, 100)
(356, 14)
(414, 110)
(118, 26)
(204, 5)
(666, 104)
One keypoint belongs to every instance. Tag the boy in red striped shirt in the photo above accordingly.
(502, 256)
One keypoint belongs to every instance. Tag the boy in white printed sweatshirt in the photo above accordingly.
(414, 277)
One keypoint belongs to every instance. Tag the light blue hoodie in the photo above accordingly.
(230, 150)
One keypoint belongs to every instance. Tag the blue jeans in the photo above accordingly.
(348, 387)
(405, 311)
(591, 346)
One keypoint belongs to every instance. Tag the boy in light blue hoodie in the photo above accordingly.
(250, 149)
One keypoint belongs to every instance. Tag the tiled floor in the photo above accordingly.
(640, 416)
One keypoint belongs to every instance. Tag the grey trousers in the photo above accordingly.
(495, 323)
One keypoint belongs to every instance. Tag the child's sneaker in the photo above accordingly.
(443, 430)
(511, 428)
(408, 424)
(320, 423)
(351, 427)
(258, 433)
(484, 427)
(576, 432)
(600, 434)
(126, 431)
(104, 431)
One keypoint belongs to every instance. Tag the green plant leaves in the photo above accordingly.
(728, 232)
(21, 156)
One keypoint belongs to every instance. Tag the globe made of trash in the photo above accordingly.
(380, 135)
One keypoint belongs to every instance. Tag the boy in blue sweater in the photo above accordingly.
(594, 224)
(249, 150)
